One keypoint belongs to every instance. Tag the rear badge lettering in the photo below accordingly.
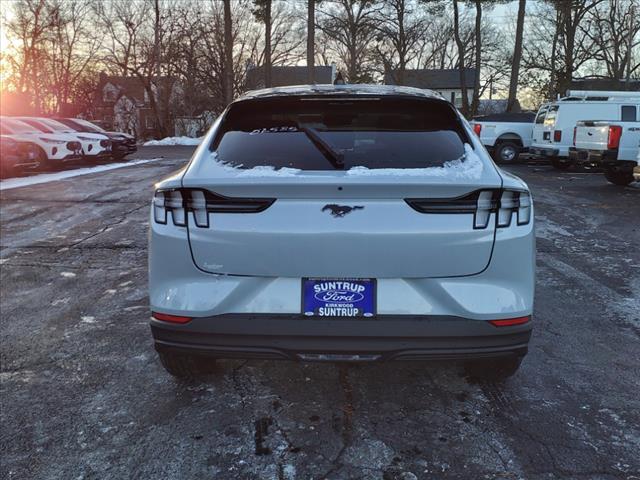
(339, 211)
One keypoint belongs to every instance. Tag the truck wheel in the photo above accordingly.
(561, 163)
(186, 366)
(506, 152)
(497, 369)
(621, 178)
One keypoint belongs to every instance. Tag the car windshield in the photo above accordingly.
(16, 126)
(89, 126)
(37, 125)
(330, 133)
(81, 125)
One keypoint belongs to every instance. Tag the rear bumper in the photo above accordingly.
(544, 152)
(595, 157)
(296, 337)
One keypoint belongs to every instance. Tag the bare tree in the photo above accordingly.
(517, 55)
(400, 29)
(350, 25)
(228, 53)
(613, 29)
(461, 63)
(311, 39)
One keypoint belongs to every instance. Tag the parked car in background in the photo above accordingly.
(554, 123)
(311, 226)
(16, 154)
(52, 148)
(505, 135)
(614, 146)
(95, 146)
(122, 144)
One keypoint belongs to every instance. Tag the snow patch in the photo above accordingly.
(172, 141)
(68, 274)
(53, 177)
(88, 319)
(468, 165)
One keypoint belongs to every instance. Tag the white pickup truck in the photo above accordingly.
(614, 146)
(505, 135)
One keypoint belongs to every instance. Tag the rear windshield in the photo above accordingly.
(370, 132)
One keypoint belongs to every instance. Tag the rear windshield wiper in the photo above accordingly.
(335, 158)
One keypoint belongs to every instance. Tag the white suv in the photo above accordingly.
(341, 223)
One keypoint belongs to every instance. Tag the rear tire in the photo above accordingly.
(506, 152)
(186, 366)
(495, 369)
(561, 164)
(618, 177)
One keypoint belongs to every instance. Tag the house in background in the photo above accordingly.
(122, 104)
(446, 82)
(283, 76)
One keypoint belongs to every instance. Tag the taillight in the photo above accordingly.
(105, 143)
(170, 318)
(509, 322)
(477, 128)
(73, 146)
(615, 132)
(196, 203)
(481, 203)
(557, 135)
(575, 131)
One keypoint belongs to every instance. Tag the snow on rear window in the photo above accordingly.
(468, 166)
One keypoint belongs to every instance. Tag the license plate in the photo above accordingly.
(329, 297)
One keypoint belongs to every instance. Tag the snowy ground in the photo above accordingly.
(82, 394)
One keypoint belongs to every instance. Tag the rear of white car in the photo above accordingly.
(341, 223)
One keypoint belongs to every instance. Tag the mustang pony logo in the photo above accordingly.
(340, 211)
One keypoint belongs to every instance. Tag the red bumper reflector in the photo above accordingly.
(509, 322)
(170, 318)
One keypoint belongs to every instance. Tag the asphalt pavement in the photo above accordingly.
(83, 396)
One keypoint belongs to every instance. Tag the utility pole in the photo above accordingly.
(228, 53)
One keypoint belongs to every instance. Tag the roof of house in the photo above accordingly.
(131, 87)
(283, 76)
(354, 89)
(433, 79)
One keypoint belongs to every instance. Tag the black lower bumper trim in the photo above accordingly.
(295, 337)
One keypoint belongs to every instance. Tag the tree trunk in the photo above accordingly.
(517, 55)
(311, 40)
(463, 84)
(267, 44)
(402, 44)
(554, 49)
(478, 33)
(228, 53)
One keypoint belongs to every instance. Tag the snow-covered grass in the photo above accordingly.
(171, 141)
(52, 177)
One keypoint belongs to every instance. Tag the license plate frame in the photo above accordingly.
(339, 297)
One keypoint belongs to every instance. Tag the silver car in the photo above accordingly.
(341, 223)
